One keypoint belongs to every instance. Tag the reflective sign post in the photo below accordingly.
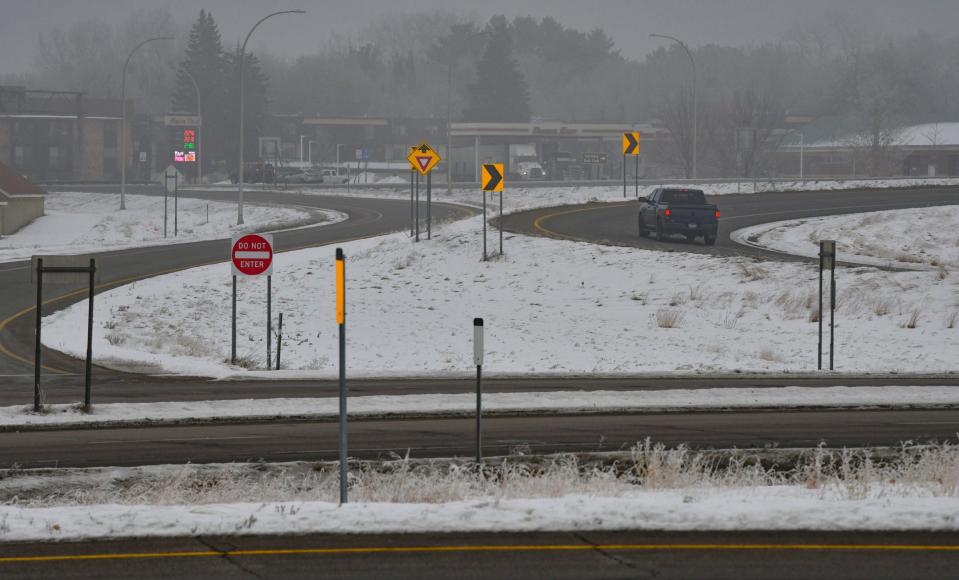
(827, 260)
(631, 147)
(478, 361)
(341, 322)
(492, 180)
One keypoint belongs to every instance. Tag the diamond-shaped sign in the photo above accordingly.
(422, 158)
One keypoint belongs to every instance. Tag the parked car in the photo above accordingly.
(304, 176)
(256, 172)
(331, 176)
(669, 211)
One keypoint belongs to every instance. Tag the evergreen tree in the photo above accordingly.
(204, 61)
(255, 89)
(500, 92)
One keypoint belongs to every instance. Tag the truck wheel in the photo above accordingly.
(643, 232)
(660, 234)
(690, 237)
(710, 240)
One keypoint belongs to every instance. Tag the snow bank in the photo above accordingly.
(915, 239)
(78, 222)
(566, 402)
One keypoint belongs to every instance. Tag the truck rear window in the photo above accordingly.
(683, 197)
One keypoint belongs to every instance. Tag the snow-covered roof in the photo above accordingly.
(923, 135)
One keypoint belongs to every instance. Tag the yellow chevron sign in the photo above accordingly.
(631, 143)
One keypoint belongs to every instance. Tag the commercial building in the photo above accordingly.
(51, 136)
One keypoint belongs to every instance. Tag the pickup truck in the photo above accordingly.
(670, 211)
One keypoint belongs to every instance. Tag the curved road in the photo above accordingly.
(616, 223)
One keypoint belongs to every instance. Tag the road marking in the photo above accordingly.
(176, 439)
(494, 548)
(538, 222)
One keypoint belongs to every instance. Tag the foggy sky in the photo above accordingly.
(728, 22)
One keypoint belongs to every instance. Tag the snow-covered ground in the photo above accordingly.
(646, 488)
(80, 222)
(540, 402)
(550, 306)
(916, 239)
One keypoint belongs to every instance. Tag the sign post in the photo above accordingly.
(66, 270)
(341, 322)
(252, 255)
(493, 181)
(424, 159)
(827, 260)
(478, 361)
(631, 147)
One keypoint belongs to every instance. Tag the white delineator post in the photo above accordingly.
(478, 361)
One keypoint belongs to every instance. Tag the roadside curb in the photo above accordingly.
(455, 414)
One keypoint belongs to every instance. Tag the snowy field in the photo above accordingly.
(446, 405)
(646, 488)
(78, 222)
(550, 306)
(915, 239)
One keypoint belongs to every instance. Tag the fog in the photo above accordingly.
(729, 22)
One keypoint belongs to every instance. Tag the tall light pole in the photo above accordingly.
(692, 61)
(239, 171)
(449, 115)
(199, 127)
(123, 122)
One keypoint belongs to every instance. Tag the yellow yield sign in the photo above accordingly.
(631, 143)
(492, 177)
(423, 158)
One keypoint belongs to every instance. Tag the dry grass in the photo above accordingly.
(951, 319)
(910, 471)
(669, 317)
(752, 272)
(912, 321)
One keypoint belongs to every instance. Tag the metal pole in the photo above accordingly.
(269, 322)
(279, 342)
(479, 413)
(341, 316)
(123, 122)
(449, 127)
(233, 334)
(692, 61)
(199, 127)
(832, 313)
(176, 203)
(417, 205)
(802, 151)
(87, 396)
(501, 222)
(412, 203)
(166, 193)
(624, 176)
(429, 205)
(821, 313)
(239, 207)
(484, 226)
(636, 176)
(36, 352)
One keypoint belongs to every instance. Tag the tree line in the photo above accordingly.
(432, 65)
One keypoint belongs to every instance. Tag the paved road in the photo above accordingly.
(553, 556)
(367, 217)
(380, 439)
(616, 223)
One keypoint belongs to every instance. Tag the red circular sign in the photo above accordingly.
(252, 255)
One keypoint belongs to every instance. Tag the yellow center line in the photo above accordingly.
(538, 222)
(489, 548)
(29, 361)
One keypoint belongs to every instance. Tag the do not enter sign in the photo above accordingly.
(252, 254)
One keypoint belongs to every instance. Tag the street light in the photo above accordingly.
(123, 122)
(199, 128)
(449, 115)
(239, 180)
(692, 61)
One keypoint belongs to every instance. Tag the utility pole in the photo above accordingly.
(692, 61)
(123, 123)
(199, 127)
(239, 170)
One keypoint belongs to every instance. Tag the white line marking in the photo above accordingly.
(251, 255)
(139, 441)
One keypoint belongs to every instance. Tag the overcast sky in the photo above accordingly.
(730, 22)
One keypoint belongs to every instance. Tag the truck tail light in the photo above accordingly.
(717, 214)
(667, 213)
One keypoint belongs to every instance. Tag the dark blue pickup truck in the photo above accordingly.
(670, 211)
